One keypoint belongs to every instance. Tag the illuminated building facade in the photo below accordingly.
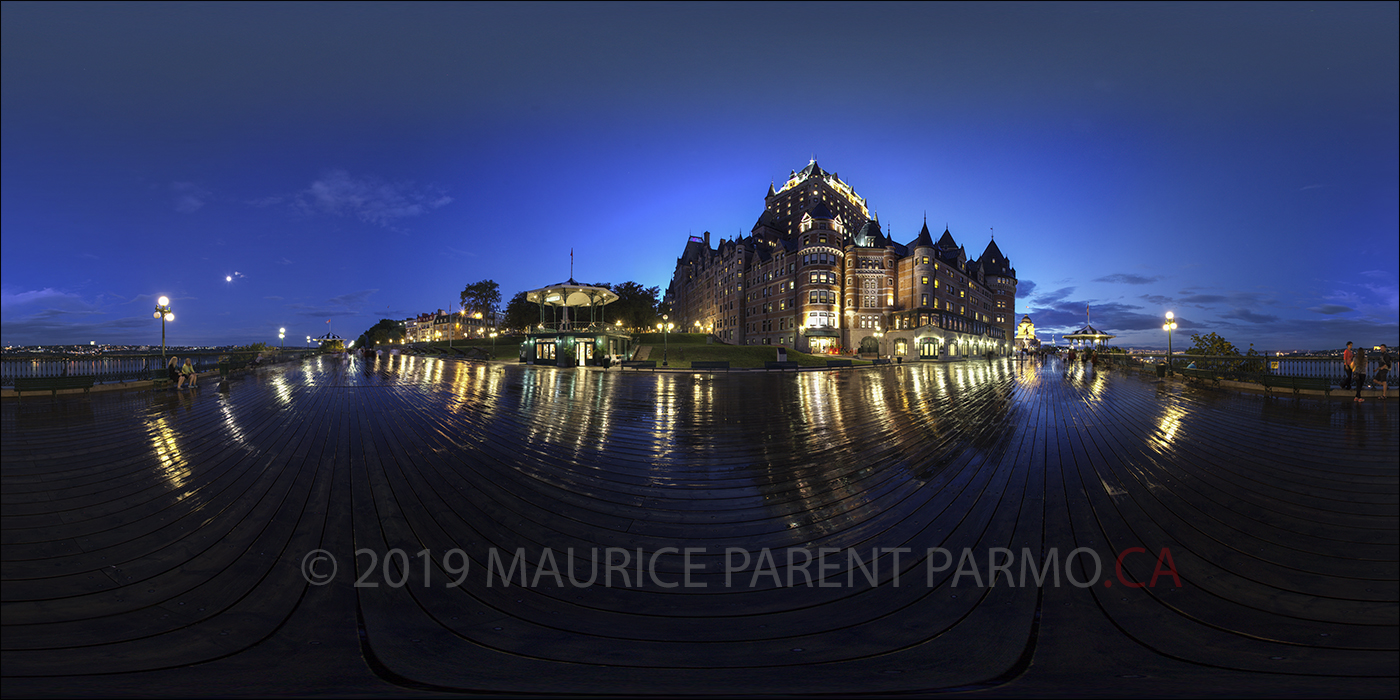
(443, 326)
(816, 273)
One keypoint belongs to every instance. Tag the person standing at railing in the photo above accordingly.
(1358, 371)
(1346, 367)
(1383, 371)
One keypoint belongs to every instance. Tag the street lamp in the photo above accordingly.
(493, 343)
(879, 342)
(281, 333)
(1169, 326)
(163, 313)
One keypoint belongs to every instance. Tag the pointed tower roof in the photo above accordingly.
(869, 235)
(924, 239)
(821, 211)
(771, 191)
(812, 169)
(946, 240)
(994, 261)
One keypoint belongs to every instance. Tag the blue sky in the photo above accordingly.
(1235, 163)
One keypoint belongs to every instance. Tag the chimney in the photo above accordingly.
(707, 239)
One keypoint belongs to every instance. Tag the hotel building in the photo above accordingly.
(816, 273)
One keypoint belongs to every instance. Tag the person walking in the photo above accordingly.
(1358, 371)
(1383, 371)
(1346, 367)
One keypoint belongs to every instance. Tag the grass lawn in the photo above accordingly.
(659, 339)
(505, 348)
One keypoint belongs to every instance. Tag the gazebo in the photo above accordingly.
(1088, 336)
(328, 337)
(573, 328)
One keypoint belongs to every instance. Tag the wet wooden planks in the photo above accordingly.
(166, 536)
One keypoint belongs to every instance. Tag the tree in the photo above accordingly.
(520, 313)
(481, 297)
(1211, 344)
(382, 333)
(635, 305)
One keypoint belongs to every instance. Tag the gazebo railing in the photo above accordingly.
(574, 326)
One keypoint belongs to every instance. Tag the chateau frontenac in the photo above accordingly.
(817, 274)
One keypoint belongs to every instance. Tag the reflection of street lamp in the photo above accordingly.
(665, 340)
(1169, 326)
(163, 313)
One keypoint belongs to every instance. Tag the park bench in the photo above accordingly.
(1297, 383)
(639, 364)
(771, 364)
(1208, 375)
(51, 384)
(838, 363)
(880, 361)
(710, 364)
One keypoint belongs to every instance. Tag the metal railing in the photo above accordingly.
(1242, 368)
(109, 369)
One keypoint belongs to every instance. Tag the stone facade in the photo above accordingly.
(816, 274)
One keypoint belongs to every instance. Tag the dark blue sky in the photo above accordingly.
(1235, 163)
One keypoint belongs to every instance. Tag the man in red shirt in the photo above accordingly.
(1346, 367)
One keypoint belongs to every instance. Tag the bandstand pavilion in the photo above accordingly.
(1088, 336)
(573, 330)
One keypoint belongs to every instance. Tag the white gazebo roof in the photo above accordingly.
(571, 293)
(1089, 333)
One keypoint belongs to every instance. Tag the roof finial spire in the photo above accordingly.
(994, 233)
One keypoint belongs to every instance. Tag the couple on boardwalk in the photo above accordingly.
(181, 374)
(1354, 364)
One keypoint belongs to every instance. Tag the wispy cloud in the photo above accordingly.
(189, 197)
(344, 305)
(1330, 309)
(1122, 278)
(368, 198)
(10, 299)
(283, 261)
(1050, 298)
(1249, 316)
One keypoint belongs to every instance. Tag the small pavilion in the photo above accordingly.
(573, 330)
(1088, 336)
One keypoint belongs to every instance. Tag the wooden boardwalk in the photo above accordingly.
(160, 543)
